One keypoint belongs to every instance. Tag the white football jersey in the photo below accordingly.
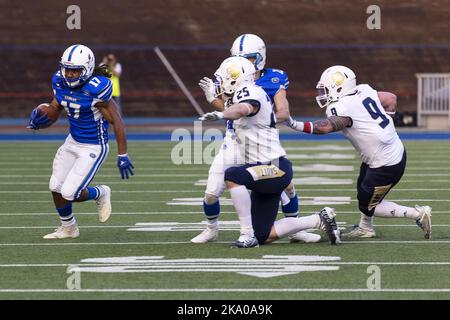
(372, 133)
(257, 135)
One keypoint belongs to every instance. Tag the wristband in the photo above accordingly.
(308, 127)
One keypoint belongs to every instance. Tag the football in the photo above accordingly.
(52, 113)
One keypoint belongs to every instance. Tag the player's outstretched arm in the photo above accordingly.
(323, 126)
(281, 106)
(109, 111)
(234, 112)
(388, 101)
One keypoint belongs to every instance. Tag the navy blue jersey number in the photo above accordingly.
(375, 112)
(333, 111)
(242, 93)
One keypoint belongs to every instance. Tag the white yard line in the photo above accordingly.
(389, 263)
(189, 290)
(132, 182)
(302, 213)
(327, 174)
(183, 230)
(165, 201)
(126, 182)
(196, 191)
(60, 243)
(116, 213)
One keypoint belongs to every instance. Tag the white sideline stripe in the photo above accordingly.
(398, 290)
(217, 242)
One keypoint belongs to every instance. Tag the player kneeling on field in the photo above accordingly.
(267, 171)
(84, 91)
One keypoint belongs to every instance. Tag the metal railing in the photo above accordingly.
(433, 95)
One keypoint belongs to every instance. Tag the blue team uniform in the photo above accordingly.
(87, 124)
(272, 81)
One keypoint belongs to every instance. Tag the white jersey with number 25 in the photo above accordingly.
(372, 132)
(257, 135)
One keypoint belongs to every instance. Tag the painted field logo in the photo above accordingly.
(267, 267)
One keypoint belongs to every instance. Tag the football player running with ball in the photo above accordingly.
(363, 115)
(84, 91)
(275, 83)
(266, 172)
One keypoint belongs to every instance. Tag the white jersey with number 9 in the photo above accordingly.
(372, 132)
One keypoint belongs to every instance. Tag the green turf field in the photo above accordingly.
(167, 266)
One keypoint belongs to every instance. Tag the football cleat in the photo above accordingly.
(104, 204)
(303, 236)
(63, 232)
(208, 235)
(359, 232)
(424, 221)
(328, 224)
(246, 241)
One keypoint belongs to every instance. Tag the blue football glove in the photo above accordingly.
(125, 165)
(37, 120)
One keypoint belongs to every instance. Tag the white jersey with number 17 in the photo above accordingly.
(372, 132)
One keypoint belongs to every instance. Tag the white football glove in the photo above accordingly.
(211, 116)
(209, 88)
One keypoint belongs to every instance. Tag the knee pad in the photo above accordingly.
(210, 199)
(68, 192)
(215, 186)
(54, 185)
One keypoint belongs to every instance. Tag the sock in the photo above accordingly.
(287, 226)
(290, 209)
(243, 204)
(94, 192)
(366, 222)
(66, 216)
(388, 209)
(284, 198)
(212, 212)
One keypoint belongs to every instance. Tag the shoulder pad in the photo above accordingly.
(276, 77)
(57, 80)
(97, 85)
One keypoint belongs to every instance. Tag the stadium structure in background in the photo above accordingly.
(302, 37)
